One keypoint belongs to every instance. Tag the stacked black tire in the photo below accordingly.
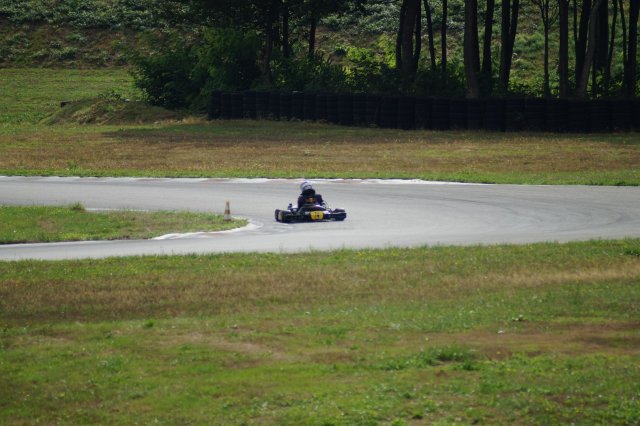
(409, 112)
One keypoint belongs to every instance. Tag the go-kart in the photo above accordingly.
(309, 213)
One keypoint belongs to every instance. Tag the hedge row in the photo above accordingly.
(404, 112)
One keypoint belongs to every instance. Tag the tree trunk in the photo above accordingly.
(401, 31)
(443, 40)
(631, 68)
(432, 48)
(407, 62)
(607, 69)
(312, 35)
(624, 44)
(487, 63)
(471, 60)
(581, 90)
(602, 36)
(270, 33)
(546, 89)
(563, 53)
(581, 41)
(418, 37)
(286, 47)
(508, 36)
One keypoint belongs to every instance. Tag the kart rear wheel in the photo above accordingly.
(283, 216)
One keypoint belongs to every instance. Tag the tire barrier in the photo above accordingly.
(556, 115)
(439, 113)
(409, 112)
(534, 111)
(214, 105)
(578, 116)
(388, 117)
(345, 109)
(372, 110)
(249, 105)
(321, 107)
(274, 105)
(333, 103)
(621, 115)
(600, 116)
(635, 118)
(420, 113)
(494, 118)
(475, 114)
(297, 106)
(262, 105)
(309, 107)
(236, 106)
(225, 106)
(359, 109)
(286, 99)
(406, 113)
(515, 119)
(458, 114)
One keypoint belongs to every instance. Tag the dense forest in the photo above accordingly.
(179, 50)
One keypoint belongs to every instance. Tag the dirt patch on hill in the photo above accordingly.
(110, 110)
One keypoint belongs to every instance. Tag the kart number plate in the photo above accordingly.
(316, 215)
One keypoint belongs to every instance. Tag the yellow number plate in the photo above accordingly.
(316, 215)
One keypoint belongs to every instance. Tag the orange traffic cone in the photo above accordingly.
(227, 212)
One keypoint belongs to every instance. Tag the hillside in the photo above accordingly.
(103, 33)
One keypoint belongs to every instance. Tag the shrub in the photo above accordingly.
(229, 58)
(166, 77)
(309, 73)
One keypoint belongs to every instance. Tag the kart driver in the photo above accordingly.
(308, 195)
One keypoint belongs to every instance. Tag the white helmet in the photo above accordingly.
(305, 185)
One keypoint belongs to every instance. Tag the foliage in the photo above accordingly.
(133, 14)
(166, 77)
(229, 57)
(309, 73)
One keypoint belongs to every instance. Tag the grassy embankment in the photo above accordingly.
(194, 147)
(535, 334)
(74, 223)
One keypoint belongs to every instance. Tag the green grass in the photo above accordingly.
(30, 94)
(73, 223)
(535, 334)
(193, 147)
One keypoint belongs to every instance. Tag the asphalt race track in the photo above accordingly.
(380, 214)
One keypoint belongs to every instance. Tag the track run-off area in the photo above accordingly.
(381, 214)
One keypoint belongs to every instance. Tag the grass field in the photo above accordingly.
(195, 147)
(73, 223)
(536, 334)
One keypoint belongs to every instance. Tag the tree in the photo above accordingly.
(563, 52)
(432, 49)
(443, 41)
(581, 85)
(607, 70)
(508, 36)
(630, 68)
(319, 8)
(471, 54)
(486, 72)
(580, 33)
(408, 41)
(548, 15)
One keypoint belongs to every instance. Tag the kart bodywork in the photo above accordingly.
(309, 213)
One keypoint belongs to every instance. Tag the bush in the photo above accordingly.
(308, 73)
(229, 58)
(166, 77)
